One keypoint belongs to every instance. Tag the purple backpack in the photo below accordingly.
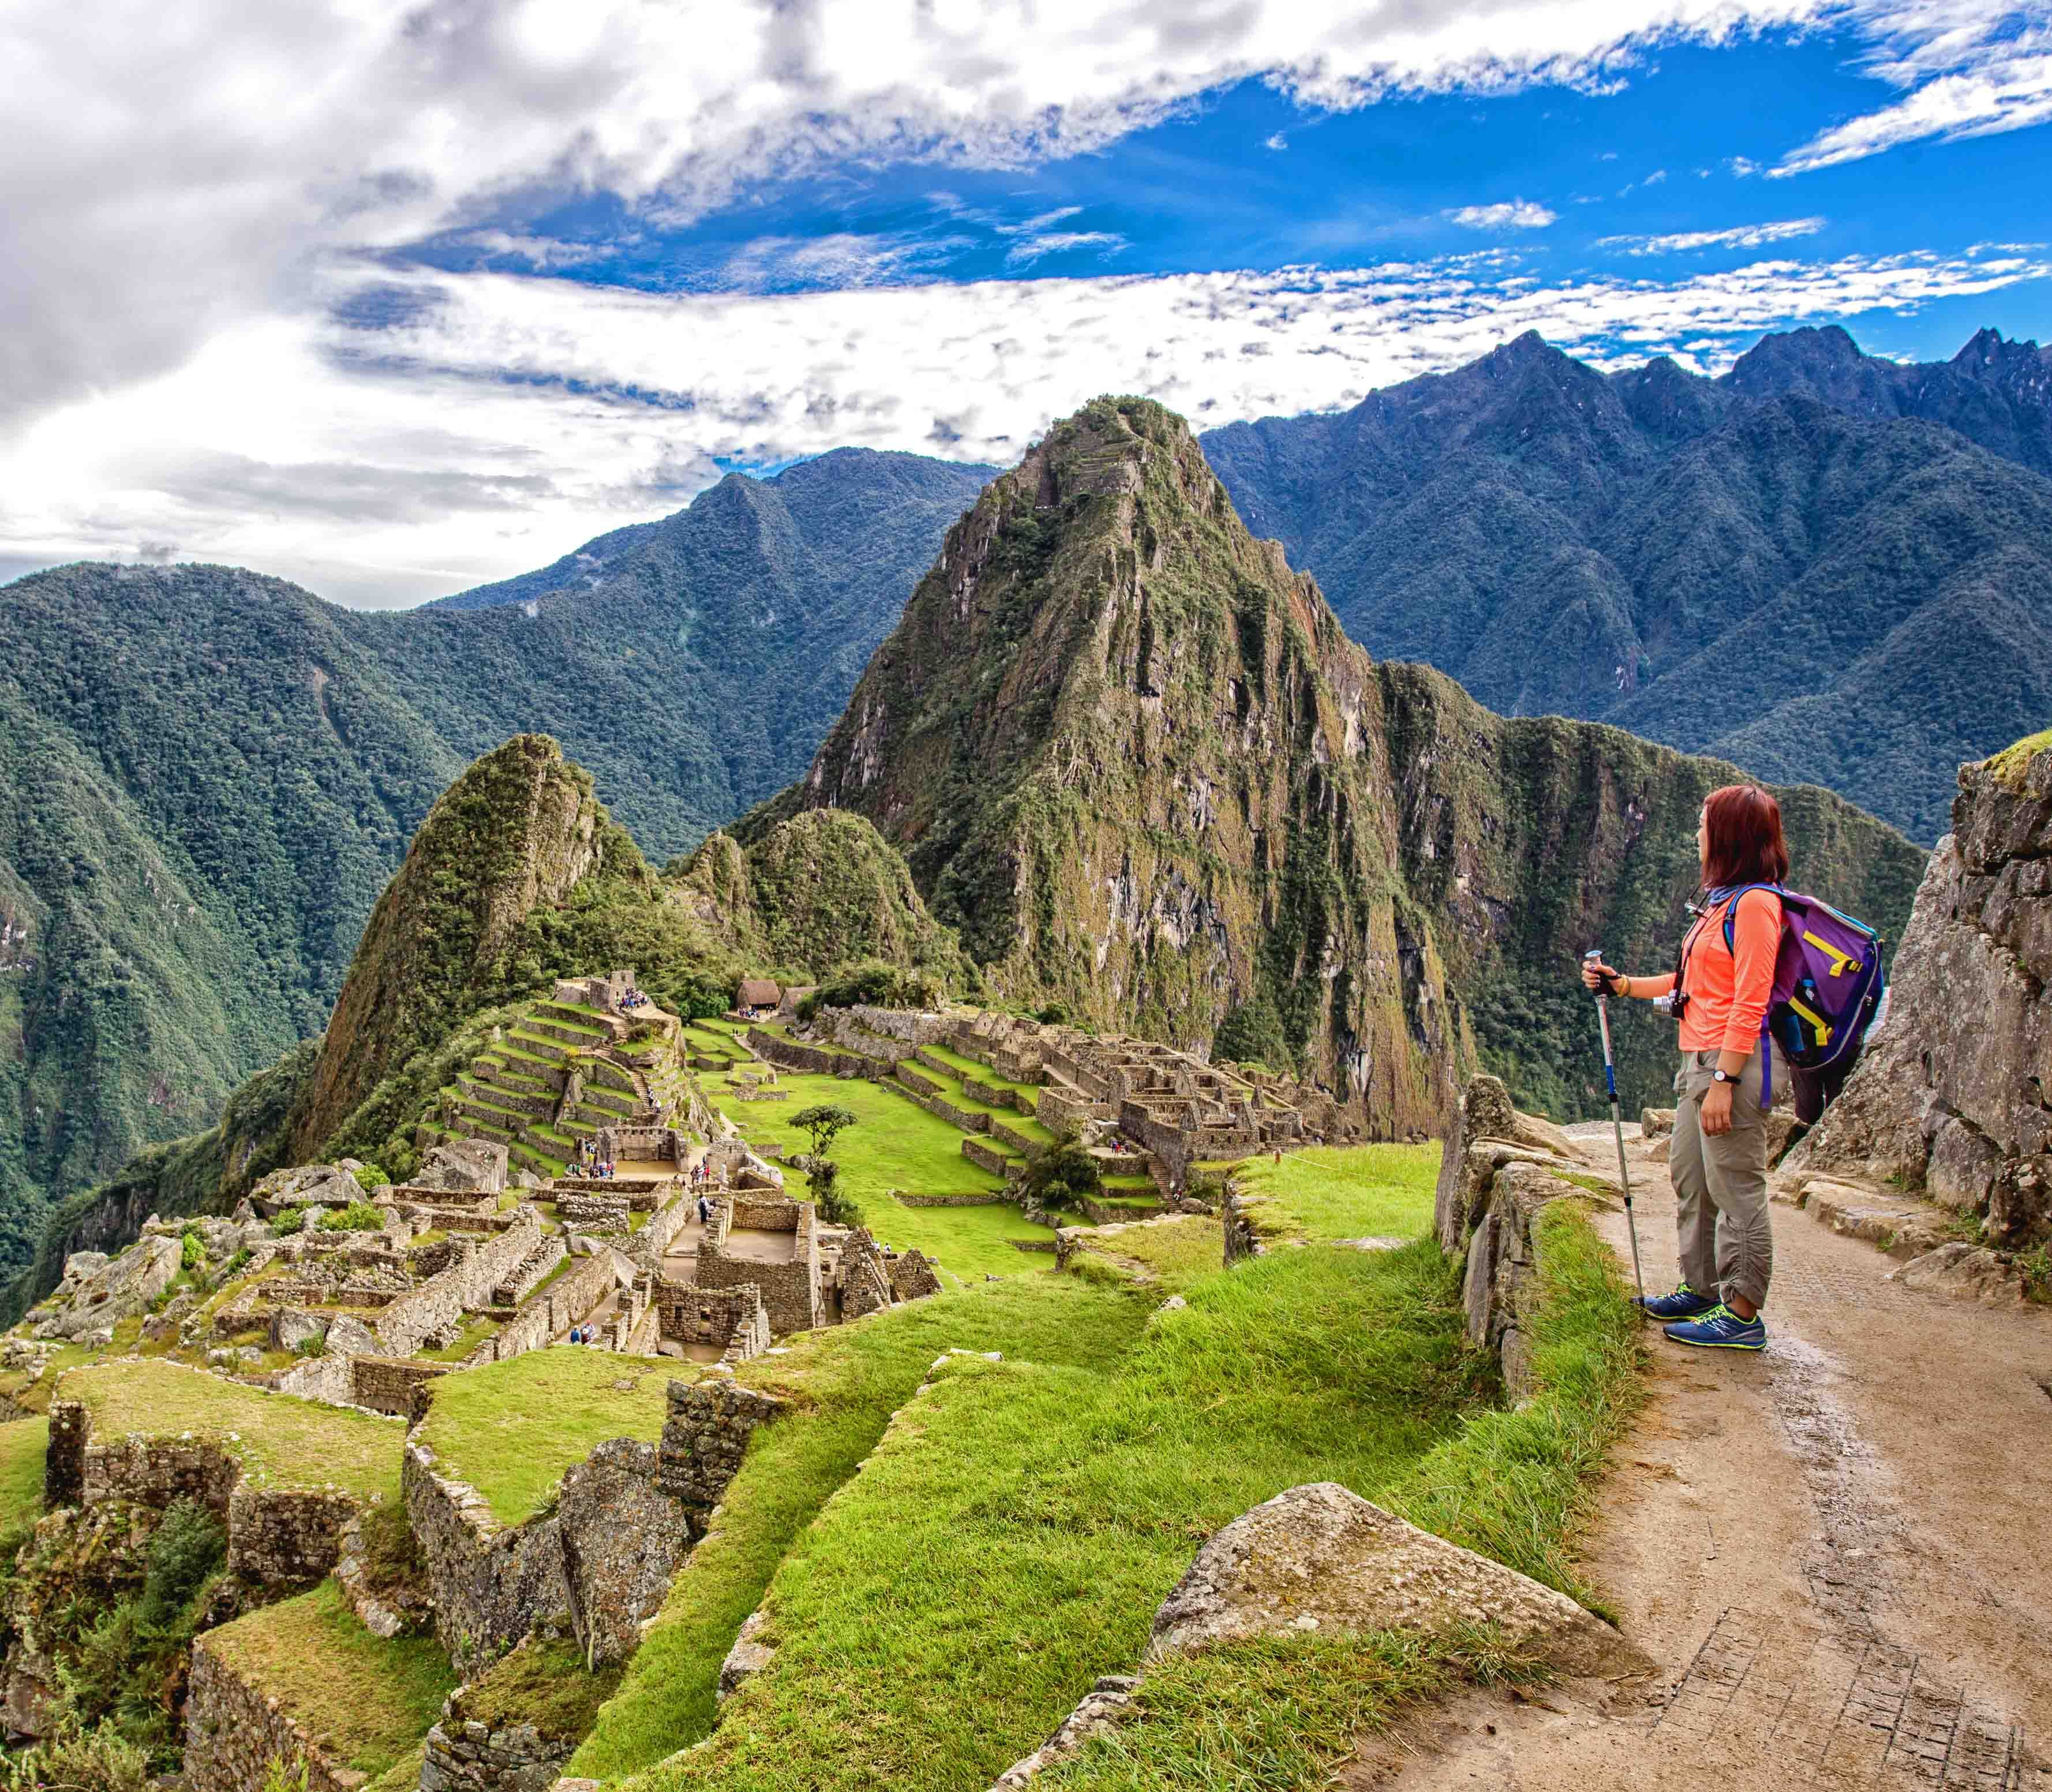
(1827, 981)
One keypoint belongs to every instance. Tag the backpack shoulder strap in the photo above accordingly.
(1731, 912)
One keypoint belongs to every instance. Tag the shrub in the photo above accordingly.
(79, 1760)
(358, 1216)
(311, 1347)
(236, 1264)
(1053, 1015)
(192, 1253)
(289, 1220)
(874, 984)
(370, 1178)
(1060, 1175)
(823, 1177)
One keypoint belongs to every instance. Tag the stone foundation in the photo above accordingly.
(707, 1430)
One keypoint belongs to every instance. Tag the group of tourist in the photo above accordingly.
(631, 1000)
(584, 1334)
(599, 1168)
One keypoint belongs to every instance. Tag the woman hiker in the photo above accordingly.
(1719, 1156)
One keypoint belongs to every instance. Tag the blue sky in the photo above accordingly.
(391, 299)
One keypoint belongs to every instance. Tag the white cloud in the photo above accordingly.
(1655, 178)
(1973, 67)
(515, 417)
(190, 162)
(1506, 214)
(1278, 142)
(1742, 236)
(1025, 253)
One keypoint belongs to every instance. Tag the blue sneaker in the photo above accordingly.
(1684, 1303)
(1722, 1329)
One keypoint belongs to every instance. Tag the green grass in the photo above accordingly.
(1278, 1713)
(467, 1340)
(283, 1441)
(368, 1698)
(24, 1443)
(1176, 1253)
(1010, 1538)
(964, 1065)
(847, 1382)
(895, 1144)
(2009, 767)
(1280, 1716)
(510, 1429)
(1346, 1191)
(1515, 1485)
(544, 1684)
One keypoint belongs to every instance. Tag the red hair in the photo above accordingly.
(1743, 829)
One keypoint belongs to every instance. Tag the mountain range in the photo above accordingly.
(206, 775)
(1828, 567)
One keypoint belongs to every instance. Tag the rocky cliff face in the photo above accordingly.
(1955, 1094)
(1132, 757)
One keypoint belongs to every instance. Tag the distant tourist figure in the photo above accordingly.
(705, 1210)
(1720, 993)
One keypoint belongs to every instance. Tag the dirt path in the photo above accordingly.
(1840, 1550)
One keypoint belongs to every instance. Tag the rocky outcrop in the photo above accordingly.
(1954, 1095)
(1319, 1559)
(98, 1292)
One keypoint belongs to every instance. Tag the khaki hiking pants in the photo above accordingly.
(1720, 1186)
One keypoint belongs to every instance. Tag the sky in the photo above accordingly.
(394, 297)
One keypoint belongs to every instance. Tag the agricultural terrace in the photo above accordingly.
(369, 1699)
(24, 1443)
(510, 1429)
(893, 1144)
(283, 1441)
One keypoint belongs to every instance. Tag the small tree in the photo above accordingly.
(823, 1178)
(825, 1122)
(1060, 1175)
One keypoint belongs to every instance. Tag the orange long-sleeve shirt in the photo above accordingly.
(1727, 991)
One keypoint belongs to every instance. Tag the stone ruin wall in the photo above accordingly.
(645, 1248)
(792, 1054)
(912, 1027)
(392, 1385)
(709, 1425)
(790, 1290)
(281, 1538)
(439, 1303)
(604, 1560)
(234, 1731)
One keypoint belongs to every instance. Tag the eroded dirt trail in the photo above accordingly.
(1840, 1550)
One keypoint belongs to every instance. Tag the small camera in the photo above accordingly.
(1674, 1004)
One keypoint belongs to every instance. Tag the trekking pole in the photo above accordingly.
(1617, 1125)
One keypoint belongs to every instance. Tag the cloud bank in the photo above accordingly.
(497, 421)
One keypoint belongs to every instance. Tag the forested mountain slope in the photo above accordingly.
(1134, 759)
(1790, 566)
(207, 775)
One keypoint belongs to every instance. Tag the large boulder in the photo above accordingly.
(623, 1540)
(1485, 1133)
(1950, 1096)
(326, 1185)
(464, 1166)
(1319, 1558)
(98, 1292)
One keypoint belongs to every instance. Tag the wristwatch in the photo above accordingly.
(1720, 1074)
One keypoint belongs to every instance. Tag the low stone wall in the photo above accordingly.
(1012, 1135)
(704, 1437)
(286, 1540)
(463, 1756)
(987, 1156)
(790, 1055)
(1063, 1110)
(577, 1291)
(392, 1385)
(1241, 1239)
(989, 1198)
(640, 1193)
(727, 1316)
(647, 1246)
(233, 1731)
(592, 1213)
(961, 1118)
(917, 1080)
